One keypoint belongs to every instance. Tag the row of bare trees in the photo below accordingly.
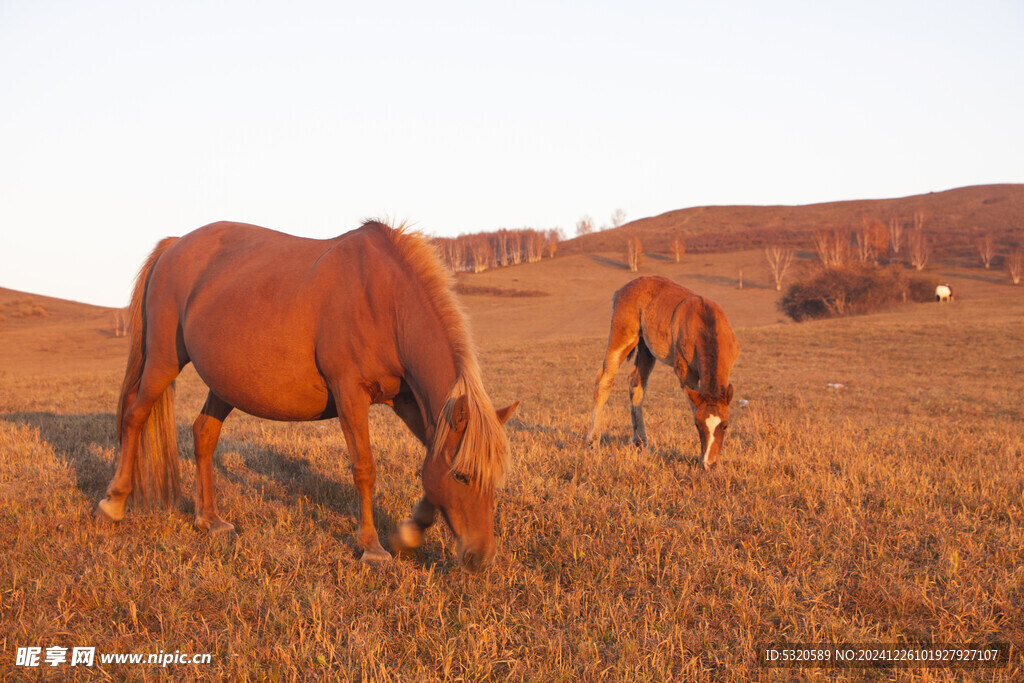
(635, 251)
(837, 247)
(479, 251)
(871, 240)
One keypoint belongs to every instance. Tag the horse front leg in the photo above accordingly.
(354, 418)
(409, 534)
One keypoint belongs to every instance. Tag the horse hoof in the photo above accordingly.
(219, 527)
(408, 536)
(375, 556)
(108, 512)
(216, 527)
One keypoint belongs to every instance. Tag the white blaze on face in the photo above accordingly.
(711, 423)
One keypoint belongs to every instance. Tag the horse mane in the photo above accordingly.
(483, 453)
(712, 388)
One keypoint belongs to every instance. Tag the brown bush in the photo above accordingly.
(854, 289)
(483, 290)
(27, 308)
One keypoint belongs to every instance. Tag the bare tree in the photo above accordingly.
(986, 249)
(919, 248)
(779, 261)
(863, 243)
(618, 218)
(1015, 265)
(895, 234)
(919, 220)
(553, 235)
(832, 246)
(121, 322)
(634, 254)
(453, 251)
(536, 240)
(501, 247)
(483, 253)
(584, 226)
(678, 248)
(515, 246)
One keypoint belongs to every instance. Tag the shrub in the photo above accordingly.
(852, 290)
(922, 288)
(26, 308)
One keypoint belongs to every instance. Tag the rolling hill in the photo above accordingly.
(570, 295)
(952, 218)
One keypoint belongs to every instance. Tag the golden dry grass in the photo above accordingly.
(888, 510)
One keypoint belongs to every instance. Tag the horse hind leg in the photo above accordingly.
(621, 343)
(153, 397)
(206, 432)
(638, 377)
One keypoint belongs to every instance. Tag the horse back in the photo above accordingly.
(674, 323)
(650, 306)
(260, 313)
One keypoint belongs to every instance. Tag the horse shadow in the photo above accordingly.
(296, 482)
(77, 441)
(662, 453)
(560, 438)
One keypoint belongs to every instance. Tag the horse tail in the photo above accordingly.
(155, 474)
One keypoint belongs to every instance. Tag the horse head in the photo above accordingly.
(455, 481)
(711, 416)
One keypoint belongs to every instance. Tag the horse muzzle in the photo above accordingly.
(477, 557)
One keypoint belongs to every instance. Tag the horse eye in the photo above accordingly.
(461, 478)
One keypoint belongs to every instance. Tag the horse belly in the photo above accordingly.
(658, 343)
(266, 375)
(271, 393)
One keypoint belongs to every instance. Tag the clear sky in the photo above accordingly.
(124, 121)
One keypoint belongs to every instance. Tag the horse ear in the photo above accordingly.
(505, 413)
(459, 417)
(693, 395)
(728, 394)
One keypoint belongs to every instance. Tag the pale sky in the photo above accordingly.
(123, 122)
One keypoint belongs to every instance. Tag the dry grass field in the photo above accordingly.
(887, 510)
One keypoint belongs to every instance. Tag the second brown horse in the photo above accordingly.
(659, 320)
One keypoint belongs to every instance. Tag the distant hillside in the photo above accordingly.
(44, 334)
(952, 219)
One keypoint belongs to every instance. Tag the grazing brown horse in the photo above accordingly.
(288, 328)
(661, 320)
